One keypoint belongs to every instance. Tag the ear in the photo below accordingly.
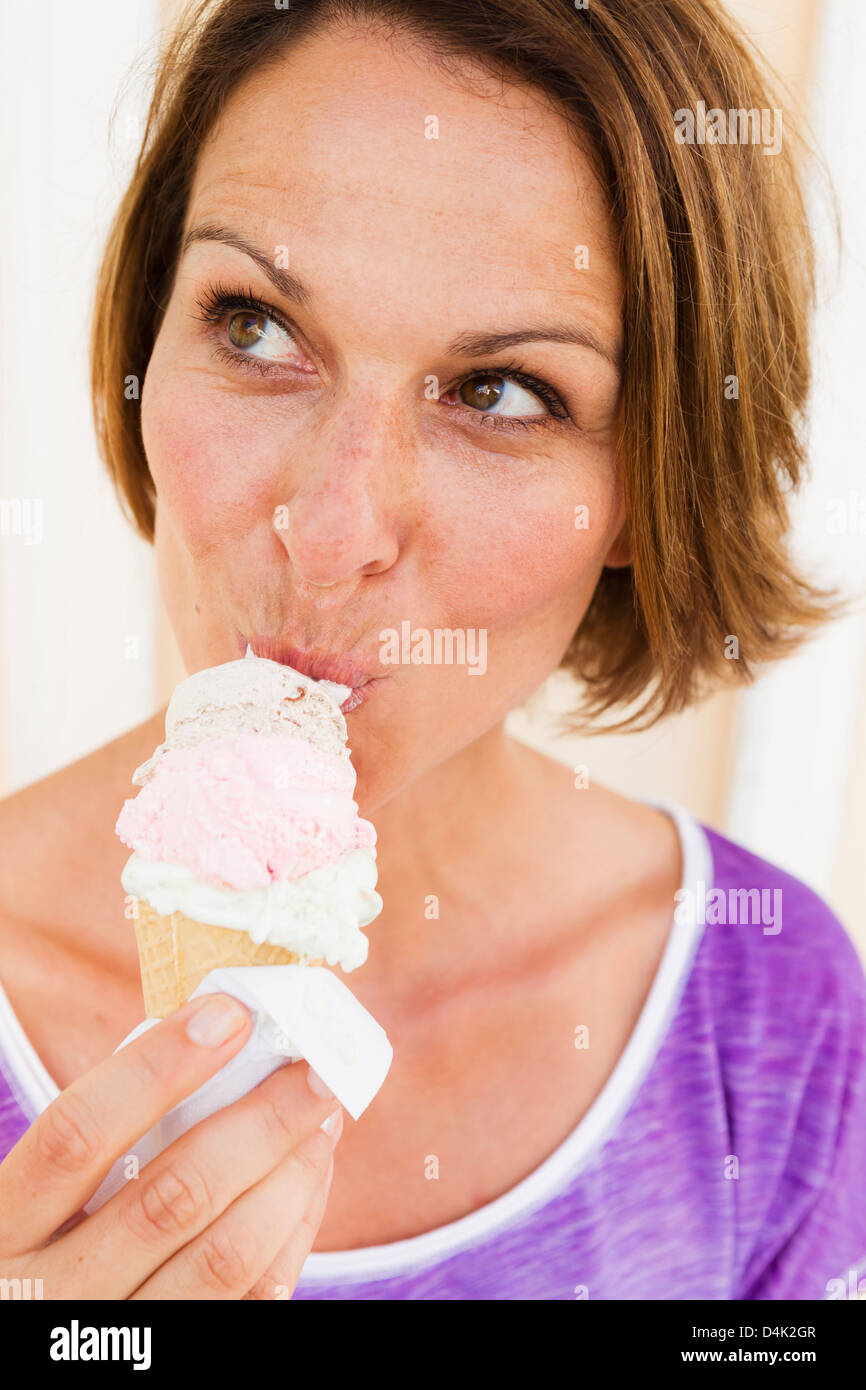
(619, 554)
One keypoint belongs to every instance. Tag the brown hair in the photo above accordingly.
(718, 268)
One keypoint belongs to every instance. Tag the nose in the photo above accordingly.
(342, 515)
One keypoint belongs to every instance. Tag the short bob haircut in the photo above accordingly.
(719, 284)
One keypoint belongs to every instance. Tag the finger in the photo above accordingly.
(231, 1256)
(280, 1279)
(59, 1162)
(187, 1187)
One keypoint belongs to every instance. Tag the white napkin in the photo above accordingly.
(299, 1011)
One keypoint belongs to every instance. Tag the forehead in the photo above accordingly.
(351, 141)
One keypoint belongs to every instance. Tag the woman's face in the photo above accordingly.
(345, 454)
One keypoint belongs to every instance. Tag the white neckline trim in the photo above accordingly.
(373, 1262)
(545, 1182)
(38, 1088)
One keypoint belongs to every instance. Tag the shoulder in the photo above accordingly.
(781, 937)
(784, 1001)
(782, 986)
(57, 833)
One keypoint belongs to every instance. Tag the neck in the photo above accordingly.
(451, 850)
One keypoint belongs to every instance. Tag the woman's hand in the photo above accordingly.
(229, 1211)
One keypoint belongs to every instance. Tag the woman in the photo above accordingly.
(438, 318)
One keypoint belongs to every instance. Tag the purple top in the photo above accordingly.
(725, 1156)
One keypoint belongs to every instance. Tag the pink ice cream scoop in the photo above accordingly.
(245, 809)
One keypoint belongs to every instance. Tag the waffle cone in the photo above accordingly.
(175, 953)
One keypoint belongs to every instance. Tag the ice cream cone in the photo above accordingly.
(245, 824)
(176, 953)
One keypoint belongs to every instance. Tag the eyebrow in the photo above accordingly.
(288, 285)
(464, 345)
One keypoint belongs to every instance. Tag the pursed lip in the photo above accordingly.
(319, 666)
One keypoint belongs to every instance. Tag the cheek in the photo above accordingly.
(513, 550)
(206, 453)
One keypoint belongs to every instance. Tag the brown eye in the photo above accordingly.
(481, 391)
(245, 330)
(485, 391)
(258, 335)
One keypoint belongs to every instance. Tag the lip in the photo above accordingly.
(319, 666)
(360, 694)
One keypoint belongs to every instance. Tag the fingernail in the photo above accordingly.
(219, 1018)
(334, 1122)
(317, 1085)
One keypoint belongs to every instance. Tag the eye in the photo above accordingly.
(488, 392)
(249, 333)
(508, 398)
(256, 334)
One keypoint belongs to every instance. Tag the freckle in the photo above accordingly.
(197, 609)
